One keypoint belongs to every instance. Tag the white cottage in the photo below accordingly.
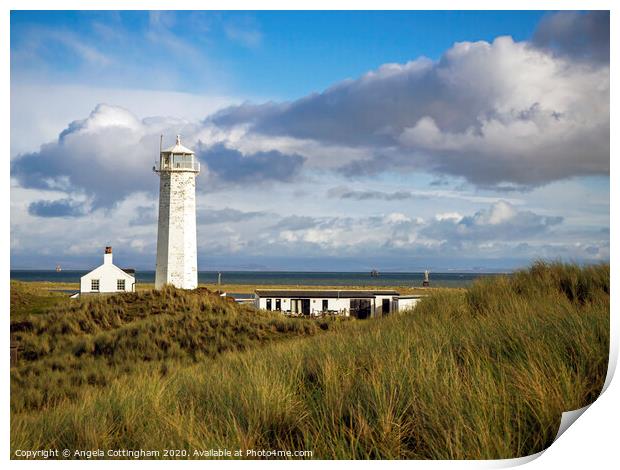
(108, 278)
(357, 303)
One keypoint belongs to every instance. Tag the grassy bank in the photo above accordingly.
(32, 299)
(52, 287)
(482, 373)
(79, 344)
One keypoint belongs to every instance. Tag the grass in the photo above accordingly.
(474, 374)
(29, 299)
(244, 288)
(89, 342)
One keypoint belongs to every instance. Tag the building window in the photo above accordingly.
(278, 304)
(120, 284)
(94, 285)
(325, 305)
(268, 304)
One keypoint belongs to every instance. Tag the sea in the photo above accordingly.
(290, 278)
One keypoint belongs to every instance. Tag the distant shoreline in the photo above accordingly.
(279, 278)
(277, 271)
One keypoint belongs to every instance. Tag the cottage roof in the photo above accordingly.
(178, 148)
(332, 294)
(106, 269)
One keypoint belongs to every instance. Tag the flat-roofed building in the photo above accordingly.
(356, 303)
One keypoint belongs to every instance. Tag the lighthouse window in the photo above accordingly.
(120, 284)
(94, 284)
(182, 161)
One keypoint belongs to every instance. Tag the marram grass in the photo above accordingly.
(476, 374)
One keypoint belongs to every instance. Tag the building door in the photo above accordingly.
(385, 307)
(360, 308)
(305, 306)
(278, 304)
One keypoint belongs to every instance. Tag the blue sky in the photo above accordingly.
(265, 54)
(329, 140)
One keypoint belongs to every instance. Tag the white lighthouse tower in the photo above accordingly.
(176, 231)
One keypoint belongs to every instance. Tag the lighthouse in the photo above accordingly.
(176, 262)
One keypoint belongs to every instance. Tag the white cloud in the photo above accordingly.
(453, 216)
(502, 115)
(500, 221)
(33, 124)
(110, 154)
(499, 212)
(236, 233)
(494, 113)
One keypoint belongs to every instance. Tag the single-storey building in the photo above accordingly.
(108, 278)
(408, 302)
(356, 303)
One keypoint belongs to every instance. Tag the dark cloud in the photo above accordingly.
(577, 35)
(231, 165)
(353, 112)
(378, 163)
(439, 182)
(296, 222)
(58, 208)
(145, 215)
(211, 216)
(344, 193)
(110, 155)
(107, 156)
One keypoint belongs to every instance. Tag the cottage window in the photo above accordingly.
(120, 284)
(94, 285)
(278, 304)
(268, 304)
(325, 305)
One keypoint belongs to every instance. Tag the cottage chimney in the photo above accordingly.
(107, 257)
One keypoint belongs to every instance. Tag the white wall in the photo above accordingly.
(407, 303)
(342, 305)
(176, 232)
(379, 305)
(316, 304)
(107, 274)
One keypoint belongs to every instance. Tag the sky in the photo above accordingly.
(329, 141)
